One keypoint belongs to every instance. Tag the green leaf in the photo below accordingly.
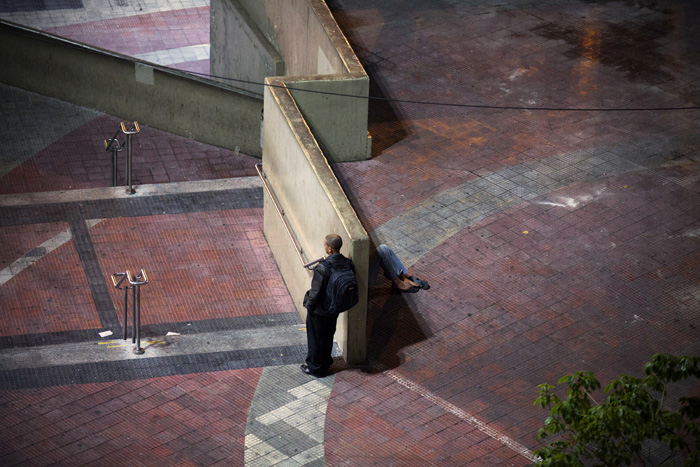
(565, 379)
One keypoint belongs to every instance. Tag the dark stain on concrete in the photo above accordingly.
(648, 4)
(631, 48)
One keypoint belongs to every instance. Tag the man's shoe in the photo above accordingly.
(305, 368)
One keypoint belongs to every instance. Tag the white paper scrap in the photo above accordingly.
(105, 333)
(173, 334)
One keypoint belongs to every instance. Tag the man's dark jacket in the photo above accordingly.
(313, 300)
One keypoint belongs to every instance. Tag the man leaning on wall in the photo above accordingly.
(334, 290)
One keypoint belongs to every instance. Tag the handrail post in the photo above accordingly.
(126, 307)
(116, 146)
(132, 283)
(137, 282)
(117, 285)
(134, 328)
(137, 317)
(129, 133)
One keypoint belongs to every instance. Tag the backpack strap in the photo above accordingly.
(327, 267)
(345, 264)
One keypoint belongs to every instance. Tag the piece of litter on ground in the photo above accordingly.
(172, 333)
(105, 333)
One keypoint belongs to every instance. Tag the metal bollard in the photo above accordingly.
(129, 133)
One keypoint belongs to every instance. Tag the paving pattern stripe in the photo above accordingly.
(488, 195)
(241, 323)
(37, 253)
(17, 111)
(463, 415)
(76, 211)
(286, 421)
(44, 5)
(110, 193)
(155, 345)
(179, 55)
(133, 207)
(101, 297)
(123, 370)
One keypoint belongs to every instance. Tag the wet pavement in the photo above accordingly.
(536, 162)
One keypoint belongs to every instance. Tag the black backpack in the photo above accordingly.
(342, 290)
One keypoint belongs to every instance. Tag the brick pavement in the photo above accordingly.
(195, 419)
(76, 158)
(553, 240)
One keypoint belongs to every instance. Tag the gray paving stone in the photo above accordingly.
(36, 122)
(566, 173)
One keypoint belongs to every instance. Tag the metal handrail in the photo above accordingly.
(117, 285)
(114, 278)
(110, 142)
(308, 265)
(129, 133)
(280, 212)
(134, 129)
(113, 139)
(117, 148)
(133, 280)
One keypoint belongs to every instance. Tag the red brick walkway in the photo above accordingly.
(554, 241)
(196, 419)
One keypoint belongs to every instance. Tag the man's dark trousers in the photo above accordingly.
(319, 335)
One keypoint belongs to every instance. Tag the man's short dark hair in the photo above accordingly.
(334, 241)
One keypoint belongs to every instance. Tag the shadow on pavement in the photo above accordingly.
(391, 326)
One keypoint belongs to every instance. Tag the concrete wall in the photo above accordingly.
(310, 42)
(314, 205)
(309, 39)
(315, 114)
(338, 122)
(240, 49)
(154, 96)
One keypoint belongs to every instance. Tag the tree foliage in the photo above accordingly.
(633, 425)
